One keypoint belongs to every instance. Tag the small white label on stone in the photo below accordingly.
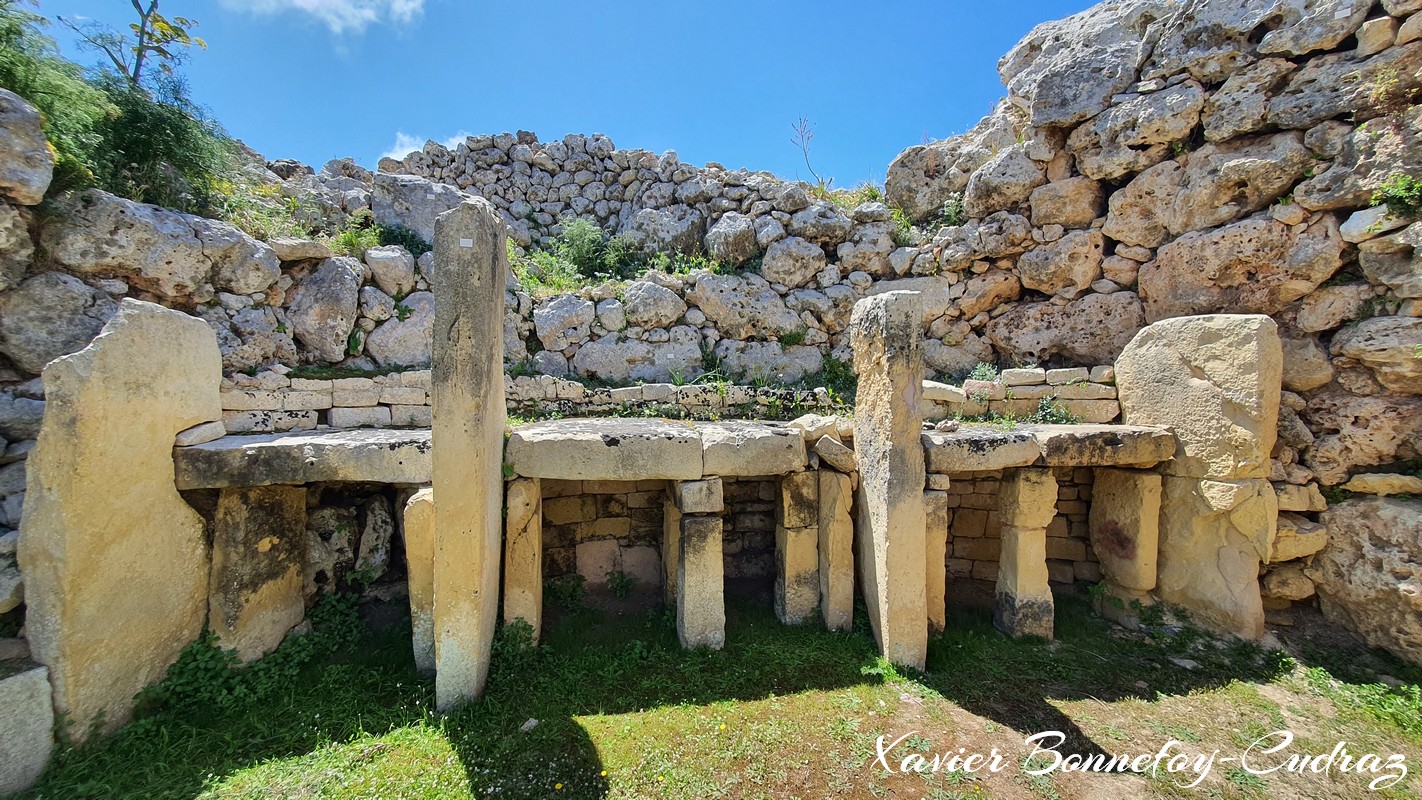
(430, 196)
(466, 242)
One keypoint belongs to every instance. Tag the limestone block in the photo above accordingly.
(255, 586)
(836, 551)
(103, 518)
(1089, 445)
(975, 448)
(523, 553)
(606, 449)
(835, 454)
(332, 456)
(1213, 536)
(814, 426)
(1215, 380)
(26, 729)
(797, 571)
(373, 417)
(671, 549)
(1027, 498)
(699, 497)
(943, 393)
(735, 448)
(1125, 526)
(885, 336)
(935, 558)
(200, 434)
(799, 500)
(700, 584)
(1298, 537)
(419, 560)
(1287, 583)
(1023, 603)
(1380, 483)
(1309, 498)
(468, 443)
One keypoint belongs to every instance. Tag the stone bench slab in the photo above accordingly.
(978, 448)
(606, 449)
(357, 456)
(736, 449)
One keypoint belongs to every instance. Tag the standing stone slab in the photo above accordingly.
(699, 497)
(1026, 505)
(419, 562)
(671, 548)
(935, 558)
(467, 395)
(258, 547)
(797, 573)
(26, 729)
(1125, 526)
(836, 550)
(700, 586)
(115, 562)
(885, 333)
(523, 553)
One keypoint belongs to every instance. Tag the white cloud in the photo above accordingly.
(406, 143)
(341, 16)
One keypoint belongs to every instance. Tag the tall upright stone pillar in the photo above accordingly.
(418, 527)
(1125, 535)
(258, 547)
(671, 547)
(467, 395)
(523, 553)
(700, 586)
(886, 336)
(836, 550)
(935, 558)
(1215, 380)
(797, 559)
(115, 562)
(1027, 502)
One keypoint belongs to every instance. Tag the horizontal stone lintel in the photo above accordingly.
(976, 448)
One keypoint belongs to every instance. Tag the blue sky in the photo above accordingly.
(721, 81)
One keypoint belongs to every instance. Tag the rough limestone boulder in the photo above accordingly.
(26, 162)
(617, 359)
(924, 177)
(324, 307)
(768, 361)
(1222, 182)
(650, 305)
(1066, 267)
(1241, 104)
(175, 256)
(1257, 265)
(868, 250)
(1065, 71)
(407, 341)
(1003, 182)
(1092, 330)
(995, 236)
(1071, 203)
(1138, 133)
(1138, 211)
(732, 239)
(411, 202)
(1393, 261)
(48, 316)
(823, 223)
(103, 517)
(1369, 575)
(1388, 347)
(1340, 84)
(742, 307)
(17, 249)
(1373, 151)
(566, 319)
(678, 229)
(792, 262)
(1358, 432)
(393, 268)
(1209, 40)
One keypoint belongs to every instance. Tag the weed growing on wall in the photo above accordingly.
(1401, 193)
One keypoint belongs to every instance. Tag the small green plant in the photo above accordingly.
(1387, 92)
(620, 583)
(953, 213)
(984, 372)
(565, 591)
(804, 133)
(355, 343)
(403, 312)
(795, 337)
(903, 227)
(1401, 193)
(1050, 412)
(404, 237)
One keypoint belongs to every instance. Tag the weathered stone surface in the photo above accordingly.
(330, 456)
(1297, 537)
(651, 305)
(255, 586)
(797, 571)
(1091, 330)
(1125, 526)
(405, 342)
(836, 455)
(997, 235)
(936, 392)
(924, 177)
(1137, 133)
(48, 316)
(1214, 380)
(523, 553)
(1331, 306)
(289, 248)
(746, 448)
(324, 307)
(1393, 261)
(1383, 483)
(888, 358)
(619, 360)
(17, 249)
(678, 229)
(1023, 605)
(869, 249)
(607, 449)
(1208, 40)
(792, 261)
(822, 223)
(1138, 211)
(1066, 267)
(1067, 70)
(1241, 105)
(1368, 574)
(1337, 84)
(1318, 25)
(418, 532)
(700, 594)
(671, 550)
(768, 361)
(175, 256)
(26, 728)
(988, 291)
(698, 497)
(977, 448)
(1255, 266)
(393, 268)
(1087, 445)
(564, 320)
(158, 371)
(1007, 179)
(467, 394)
(412, 202)
(1071, 203)
(1355, 432)
(935, 558)
(1388, 347)
(26, 162)
(1371, 152)
(732, 239)
(742, 307)
(1213, 536)
(1287, 582)
(1221, 182)
(1306, 365)
(836, 550)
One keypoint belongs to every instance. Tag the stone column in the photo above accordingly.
(1027, 502)
(1215, 380)
(115, 562)
(836, 550)
(700, 586)
(797, 559)
(886, 337)
(258, 550)
(935, 558)
(671, 547)
(523, 553)
(419, 562)
(1125, 535)
(467, 395)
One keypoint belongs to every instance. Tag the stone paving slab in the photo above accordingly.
(364, 455)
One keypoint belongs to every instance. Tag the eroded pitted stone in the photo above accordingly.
(255, 588)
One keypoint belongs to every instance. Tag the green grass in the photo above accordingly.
(623, 711)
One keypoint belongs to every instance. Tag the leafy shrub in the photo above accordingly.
(983, 372)
(1401, 193)
(581, 244)
(403, 236)
(1050, 412)
(953, 213)
(795, 337)
(565, 591)
(903, 227)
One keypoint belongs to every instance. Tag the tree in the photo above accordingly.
(153, 35)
